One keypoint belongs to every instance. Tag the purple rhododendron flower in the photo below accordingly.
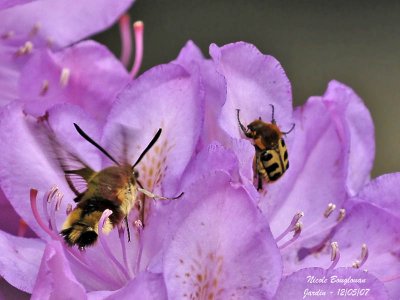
(31, 27)
(323, 220)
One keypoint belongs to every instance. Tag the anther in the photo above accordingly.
(35, 29)
(342, 214)
(44, 88)
(138, 28)
(363, 258)
(59, 196)
(64, 77)
(51, 193)
(297, 230)
(335, 255)
(8, 35)
(49, 42)
(138, 224)
(25, 49)
(68, 209)
(292, 226)
(331, 207)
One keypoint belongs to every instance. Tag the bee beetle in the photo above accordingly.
(271, 159)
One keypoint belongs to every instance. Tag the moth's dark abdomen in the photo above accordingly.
(82, 225)
(85, 236)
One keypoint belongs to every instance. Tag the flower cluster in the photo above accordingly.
(323, 229)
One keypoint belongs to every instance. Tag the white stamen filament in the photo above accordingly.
(363, 258)
(297, 230)
(139, 226)
(335, 255)
(102, 225)
(49, 203)
(292, 226)
(121, 234)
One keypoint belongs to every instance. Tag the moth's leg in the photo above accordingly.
(141, 204)
(154, 196)
(127, 228)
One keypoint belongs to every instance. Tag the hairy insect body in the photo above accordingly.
(271, 158)
(113, 188)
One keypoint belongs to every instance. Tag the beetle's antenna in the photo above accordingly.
(290, 130)
(273, 114)
(240, 123)
(153, 141)
(90, 140)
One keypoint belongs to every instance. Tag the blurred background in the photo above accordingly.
(356, 42)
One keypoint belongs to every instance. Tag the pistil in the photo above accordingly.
(126, 39)
(138, 28)
(38, 218)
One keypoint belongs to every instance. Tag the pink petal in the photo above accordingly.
(10, 3)
(9, 74)
(223, 235)
(9, 219)
(317, 173)
(94, 78)
(316, 283)
(253, 82)
(384, 192)
(20, 260)
(361, 130)
(165, 97)
(83, 19)
(55, 279)
(380, 231)
(214, 86)
(27, 164)
(145, 286)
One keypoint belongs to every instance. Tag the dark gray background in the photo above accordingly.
(356, 42)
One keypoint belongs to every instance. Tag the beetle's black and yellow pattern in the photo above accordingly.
(271, 158)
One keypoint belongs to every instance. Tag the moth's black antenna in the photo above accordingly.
(153, 141)
(90, 140)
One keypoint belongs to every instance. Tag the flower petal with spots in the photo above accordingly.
(222, 250)
(165, 97)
